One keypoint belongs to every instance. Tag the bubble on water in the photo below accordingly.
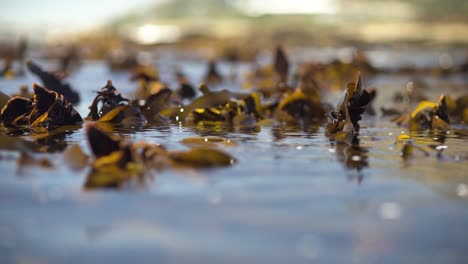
(441, 147)
(462, 190)
(390, 133)
(390, 211)
(299, 147)
(332, 150)
(356, 158)
(309, 246)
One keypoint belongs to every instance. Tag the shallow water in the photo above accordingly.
(291, 197)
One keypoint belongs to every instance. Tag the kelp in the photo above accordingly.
(201, 158)
(212, 76)
(426, 115)
(54, 82)
(345, 119)
(237, 109)
(118, 160)
(185, 90)
(210, 106)
(47, 110)
(299, 106)
(211, 142)
(270, 79)
(148, 81)
(460, 111)
(109, 106)
(281, 64)
(154, 104)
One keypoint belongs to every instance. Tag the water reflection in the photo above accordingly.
(353, 156)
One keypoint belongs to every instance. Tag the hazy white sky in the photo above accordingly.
(77, 14)
(66, 13)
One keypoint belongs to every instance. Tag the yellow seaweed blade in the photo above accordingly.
(439, 124)
(110, 159)
(208, 142)
(296, 95)
(423, 106)
(111, 176)
(201, 158)
(403, 138)
(40, 119)
(108, 117)
(257, 101)
(342, 137)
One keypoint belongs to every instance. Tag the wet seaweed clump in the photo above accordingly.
(427, 115)
(343, 123)
(148, 82)
(109, 106)
(118, 161)
(47, 110)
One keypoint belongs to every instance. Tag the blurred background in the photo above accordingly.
(99, 25)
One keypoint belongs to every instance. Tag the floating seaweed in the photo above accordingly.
(109, 106)
(427, 115)
(148, 81)
(118, 161)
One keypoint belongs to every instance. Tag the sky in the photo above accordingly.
(71, 14)
(82, 14)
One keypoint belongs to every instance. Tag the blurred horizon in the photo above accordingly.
(148, 22)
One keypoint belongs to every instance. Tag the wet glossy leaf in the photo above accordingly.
(16, 111)
(52, 109)
(102, 143)
(201, 158)
(106, 100)
(209, 142)
(299, 106)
